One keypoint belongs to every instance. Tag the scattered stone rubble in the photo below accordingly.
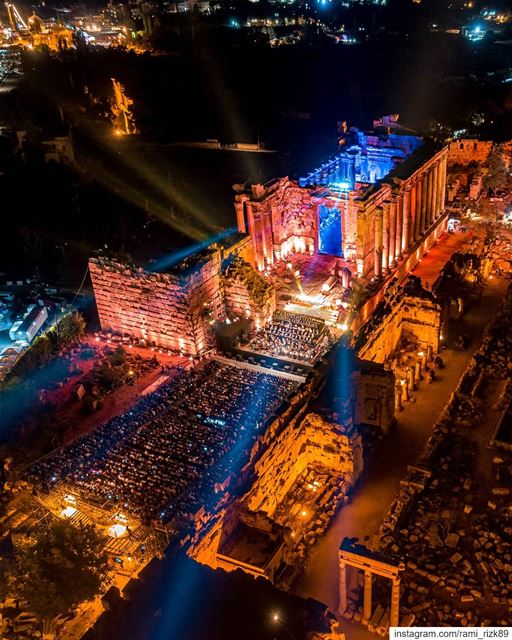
(457, 546)
(17, 624)
(500, 253)
(452, 529)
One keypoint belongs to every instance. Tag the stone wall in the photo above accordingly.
(247, 293)
(374, 398)
(280, 218)
(167, 309)
(464, 151)
(419, 316)
(314, 442)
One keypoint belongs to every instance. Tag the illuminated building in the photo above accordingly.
(36, 33)
(27, 328)
(378, 201)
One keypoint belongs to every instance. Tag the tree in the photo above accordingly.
(118, 357)
(64, 566)
(39, 352)
(498, 176)
(70, 328)
(110, 377)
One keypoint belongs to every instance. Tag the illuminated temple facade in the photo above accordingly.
(378, 201)
(372, 211)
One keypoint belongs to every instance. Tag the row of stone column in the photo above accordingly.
(402, 221)
(394, 614)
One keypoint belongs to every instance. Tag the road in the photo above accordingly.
(380, 483)
(429, 266)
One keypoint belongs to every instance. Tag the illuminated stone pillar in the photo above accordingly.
(392, 232)
(378, 241)
(343, 587)
(362, 225)
(423, 211)
(409, 237)
(266, 238)
(417, 210)
(417, 373)
(399, 226)
(367, 598)
(398, 399)
(258, 242)
(430, 199)
(435, 192)
(411, 384)
(444, 166)
(386, 238)
(406, 220)
(240, 218)
(442, 184)
(394, 615)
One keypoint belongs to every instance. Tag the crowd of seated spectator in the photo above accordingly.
(160, 459)
(292, 335)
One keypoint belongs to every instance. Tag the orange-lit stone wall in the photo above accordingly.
(369, 226)
(162, 308)
(374, 399)
(464, 151)
(419, 316)
(280, 218)
(396, 215)
(247, 293)
(312, 443)
(382, 223)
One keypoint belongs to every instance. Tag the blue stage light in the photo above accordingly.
(344, 186)
(177, 256)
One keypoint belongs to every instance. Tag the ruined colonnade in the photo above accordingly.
(356, 557)
(404, 218)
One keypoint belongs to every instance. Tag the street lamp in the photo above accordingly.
(276, 618)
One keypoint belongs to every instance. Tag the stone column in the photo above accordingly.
(407, 220)
(444, 166)
(385, 239)
(435, 192)
(266, 237)
(378, 242)
(409, 200)
(367, 598)
(430, 198)
(392, 232)
(257, 237)
(411, 384)
(432, 213)
(417, 373)
(399, 226)
(417, 209)
(394, 615)
(398, 399)
(240, 218)
(343, 587)
(423, 216)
